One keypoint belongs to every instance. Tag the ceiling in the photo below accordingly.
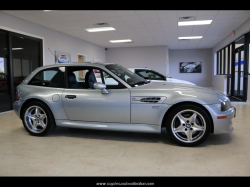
(145, 28)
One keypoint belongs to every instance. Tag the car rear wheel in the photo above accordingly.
(37, 119)
(188, 125)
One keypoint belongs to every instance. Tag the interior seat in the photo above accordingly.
(90, 79)
(73, 82)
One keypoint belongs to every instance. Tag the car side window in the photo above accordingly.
(147, 74)
(85, 77)
(108, 80)
(53, 77)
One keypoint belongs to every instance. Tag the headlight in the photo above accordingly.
(224, 105)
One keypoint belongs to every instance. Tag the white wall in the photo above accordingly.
(242, 29)
(191, 55)
(154, 57)
(53, 40)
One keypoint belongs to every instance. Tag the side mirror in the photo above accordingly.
(101, 86)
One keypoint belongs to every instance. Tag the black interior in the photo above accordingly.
(73, 82)
(90, 79)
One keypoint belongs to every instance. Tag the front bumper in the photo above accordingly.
(224, 125)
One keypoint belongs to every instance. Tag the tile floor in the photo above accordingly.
(78, 152)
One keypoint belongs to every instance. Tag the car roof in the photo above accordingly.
(96, 64)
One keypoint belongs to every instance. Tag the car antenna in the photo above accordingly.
(53, 54)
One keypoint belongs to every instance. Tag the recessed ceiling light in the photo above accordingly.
(17, 48)
(189, 37)
(202, 22)
(99, 29)
(120, 41)
(47, 10)
(14, 49)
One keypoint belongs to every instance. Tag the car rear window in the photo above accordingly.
(53, 77)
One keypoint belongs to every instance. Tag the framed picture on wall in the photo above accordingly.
(190, 67)
(62, 57)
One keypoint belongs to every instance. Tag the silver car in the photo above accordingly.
(69, 95)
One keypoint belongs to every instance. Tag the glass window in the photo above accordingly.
(77, 78)
(26, 56)
(128, 76)
(149, 74)
(49, 78)
(226, 60)
(230, 59)
(219, 63)
(249, 57)
(222, 61)
(239, 42)
(5, 96)
(108, 80)
(98, 75)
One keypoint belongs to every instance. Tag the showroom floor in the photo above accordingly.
(78, 152)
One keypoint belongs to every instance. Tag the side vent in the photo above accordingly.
(150, 99)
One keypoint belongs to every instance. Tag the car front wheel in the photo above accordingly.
(188, 125)
(37, 119)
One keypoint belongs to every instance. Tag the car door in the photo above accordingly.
(85, 104)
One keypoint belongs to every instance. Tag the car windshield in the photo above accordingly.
(150, 74)
(129, 77)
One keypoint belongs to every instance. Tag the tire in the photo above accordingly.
(188, 125)
(38, 119)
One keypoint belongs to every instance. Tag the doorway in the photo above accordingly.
(81, 74)
(19, 56)
(5, 83)
(81, 58)
(238, 78)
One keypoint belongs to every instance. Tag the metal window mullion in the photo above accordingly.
(232, 69)
(217, 62)
(224, 61)
(220, 62)
(228, 60)
(246, 65)
(228, 64)
(11, 68)
(239, 68)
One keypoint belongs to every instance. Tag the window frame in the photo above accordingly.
(220, 70)
(91, 67)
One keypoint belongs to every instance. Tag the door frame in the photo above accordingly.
(244, 97)
(10, 70)
(85, 56)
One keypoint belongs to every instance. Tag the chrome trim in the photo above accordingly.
(150, 99)
(126, 127)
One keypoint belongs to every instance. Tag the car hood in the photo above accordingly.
(179, 81)
(174, 81)
(176, 92)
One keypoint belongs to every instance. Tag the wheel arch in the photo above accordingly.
(31, 100)
(163, 124)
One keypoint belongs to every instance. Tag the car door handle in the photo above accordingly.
(70, 96)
